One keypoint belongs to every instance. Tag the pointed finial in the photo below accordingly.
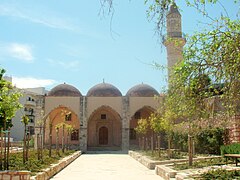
(173, 8)
(103, 80)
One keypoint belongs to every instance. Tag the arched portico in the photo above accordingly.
(62, 115)
(104, 129)
(142, 113)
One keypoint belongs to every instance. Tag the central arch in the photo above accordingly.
(104, 129)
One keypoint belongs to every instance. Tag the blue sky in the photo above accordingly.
(45, 43)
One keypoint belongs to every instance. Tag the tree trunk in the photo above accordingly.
(57, 142)
(190, 150)
(1, 153)
(41, 144)
(146, 143)
(139, 143)
(38, 146)
(27, 145)
(50, 140)
(169, 147)
(5, 147)
(143, 143)
(159, 146)
(152, 144)
(24, 144)
(8, 149)
(63, 138)
(68, 135)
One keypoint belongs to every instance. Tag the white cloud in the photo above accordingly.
(30, 82)
(45, 18)
(22, 52)
(71, 65)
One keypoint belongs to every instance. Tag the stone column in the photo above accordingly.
(83, 124)
(125, 123)
(236, 130)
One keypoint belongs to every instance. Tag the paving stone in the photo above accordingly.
(106, 167)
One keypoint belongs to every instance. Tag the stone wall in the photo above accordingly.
(234, 131)
(15, 175)
(55, 168)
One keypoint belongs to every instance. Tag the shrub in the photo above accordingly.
(180, 141)
(209, 141)
(230, 149)
(221, 174)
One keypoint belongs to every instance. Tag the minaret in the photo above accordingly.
(174, 40)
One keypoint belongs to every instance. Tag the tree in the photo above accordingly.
(156, 124)
(70, 129)
(25, 121)
(142, 128)
(39, 143)
(57, 127)
(212, 52)
(9, 104)
(63, 115)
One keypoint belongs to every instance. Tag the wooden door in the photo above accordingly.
(103, 136)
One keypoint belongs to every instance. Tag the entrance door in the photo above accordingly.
(103, 136)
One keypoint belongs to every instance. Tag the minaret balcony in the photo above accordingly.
(174, 36)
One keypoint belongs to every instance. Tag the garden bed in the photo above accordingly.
(203, 167)
(37, 169)
(55, 168)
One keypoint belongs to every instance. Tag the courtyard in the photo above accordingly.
(106, 166)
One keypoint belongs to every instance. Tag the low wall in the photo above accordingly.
(55, 168)
(15, 175)
(165, 172)
(163, 168)
(151, 164)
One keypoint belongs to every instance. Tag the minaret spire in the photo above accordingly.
(174, 41)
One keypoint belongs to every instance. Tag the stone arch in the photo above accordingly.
(55, 117)
(104, 117)
(142, 113)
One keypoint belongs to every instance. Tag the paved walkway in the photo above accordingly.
(106, 167)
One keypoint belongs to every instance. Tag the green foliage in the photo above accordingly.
(9, 102)
(230, 149)
(180, 141)
(25, 120)
(200, 163)
(221, 174)
(158, 123)
(142, 126)
(33, 164)
(209, 141)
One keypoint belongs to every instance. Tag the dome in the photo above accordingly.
(104, 90)
(142, 90)
(64, 90)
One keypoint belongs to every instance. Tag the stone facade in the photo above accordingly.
(234, 131)
(103, 120)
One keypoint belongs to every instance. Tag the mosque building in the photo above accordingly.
(104, 118)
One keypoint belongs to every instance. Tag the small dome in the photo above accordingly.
(104, 90)
(142, 90)
(64, 90)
